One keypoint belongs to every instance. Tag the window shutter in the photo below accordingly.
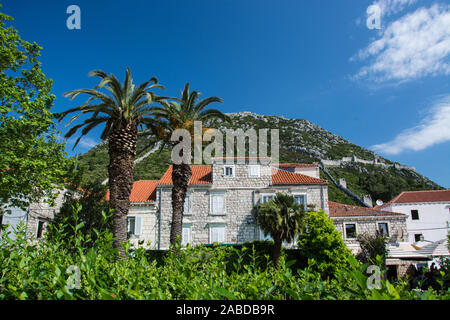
(306, 201)
(214, 204)
(217, 234)
(185, 235)
(217, 201)
(186, 204)
(221, 234)
(138, 226)
(129, 225)
(254, 170)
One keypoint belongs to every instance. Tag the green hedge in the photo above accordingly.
(43, 271)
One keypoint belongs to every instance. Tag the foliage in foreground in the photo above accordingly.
(40, 271)
(32, 160)
(322, 242)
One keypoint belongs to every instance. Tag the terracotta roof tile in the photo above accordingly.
(142, 191)
(280, 176)
(345, 210)
(420, 196)
(201, 174)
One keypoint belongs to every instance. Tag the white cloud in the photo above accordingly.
(390, 7)
(414, 46)
(434, 129)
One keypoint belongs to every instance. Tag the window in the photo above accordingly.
(267, 197)
(217, 203)
(254, 170)
(40, 229)
(418, 237)
(187, 204)
(383, 229)
(186, 235)
(415, 214)
(217, 233)
(301, 199)
(350, 231)
(228, 171)
(134, 226)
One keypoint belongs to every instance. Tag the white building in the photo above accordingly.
(428, 213)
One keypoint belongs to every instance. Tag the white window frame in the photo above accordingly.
(305, 196)
(211, 204)
(388, 227)
(262, 195)
(250, 166)
(183, 240)
(345, 231)
(137, 226)
(224, 173)
(216, 226)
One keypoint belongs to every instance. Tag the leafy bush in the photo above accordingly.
(41, 270)
(322, 243)
(373, 246)
(90, 204)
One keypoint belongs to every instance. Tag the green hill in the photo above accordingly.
(300, 141)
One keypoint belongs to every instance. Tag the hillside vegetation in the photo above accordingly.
(300, 141)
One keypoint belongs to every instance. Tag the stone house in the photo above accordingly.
(35, 218)
(220, 199)
(353, 220)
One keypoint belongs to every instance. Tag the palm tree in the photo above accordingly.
(281, 218)
(122, 111)
(181, 114)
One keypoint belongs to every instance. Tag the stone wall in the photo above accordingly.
(239, 202)
(149, 227)
(42, 211)
(376, 162)
(241, 177)
(396, 225)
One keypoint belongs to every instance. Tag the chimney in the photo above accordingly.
(367, 199)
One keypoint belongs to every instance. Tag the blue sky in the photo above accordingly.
(385, 89)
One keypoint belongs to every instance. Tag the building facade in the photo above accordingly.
(220, 199)
(351, 221)
(428, 213)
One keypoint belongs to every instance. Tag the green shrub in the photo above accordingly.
(321, 245)
(41, 270)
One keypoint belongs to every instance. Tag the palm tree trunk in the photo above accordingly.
(122, 149)
(276, 250)
(181, 173)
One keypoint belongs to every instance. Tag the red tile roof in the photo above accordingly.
(201, 174)
(142, 191)
(145, 190)
(346, 210)
(420, 196)
(280, 176)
